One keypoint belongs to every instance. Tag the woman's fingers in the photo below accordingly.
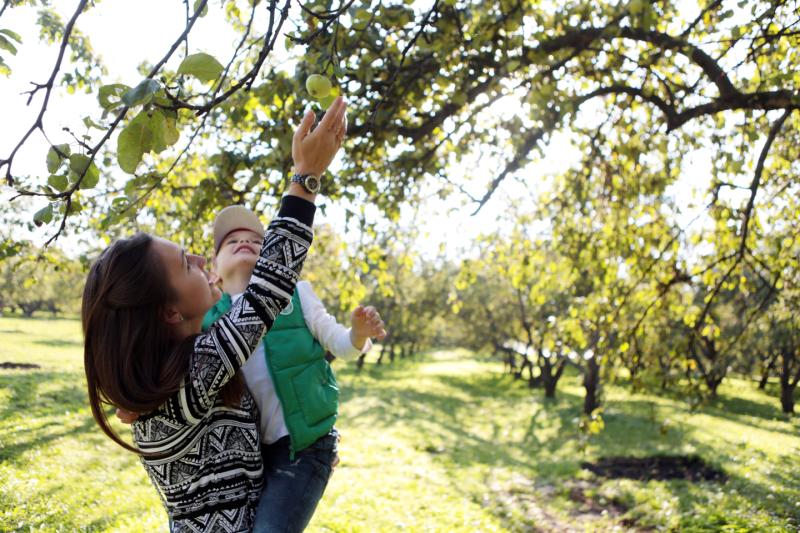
(339, 118)
(313, 148)
(305, 126)
(330, 115)
(340, 133)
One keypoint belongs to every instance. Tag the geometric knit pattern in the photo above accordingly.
(209, 471)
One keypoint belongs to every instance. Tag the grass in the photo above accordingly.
(439, 443)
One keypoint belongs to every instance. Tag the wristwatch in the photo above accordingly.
(310, 182)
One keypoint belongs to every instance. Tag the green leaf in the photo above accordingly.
(55, 156)
(202, 66)
(142, 93)
(75, 206)
(157, 125)
(171, 134)
(12, 34)
(120, 202)
(58, 182)
(163, 129)
(133, 142)
(110, 96)
(81, 164)
(89, 123)
(205, 8)
(5, 44)
(43, 215)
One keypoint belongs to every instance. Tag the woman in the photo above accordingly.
(291, 382)
(143, 307)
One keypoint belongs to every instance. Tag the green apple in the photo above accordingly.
(318, 86)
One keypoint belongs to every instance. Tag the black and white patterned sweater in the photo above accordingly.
(211, 473)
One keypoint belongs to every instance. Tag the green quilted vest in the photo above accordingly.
(303, 379)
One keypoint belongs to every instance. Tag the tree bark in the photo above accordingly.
(765, 373)
(788, 380)
(787, 398)
(591, 383)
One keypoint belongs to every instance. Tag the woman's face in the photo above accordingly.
(195, 294)
(238, 254)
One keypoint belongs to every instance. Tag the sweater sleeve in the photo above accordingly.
(333, 336)
(225, 346)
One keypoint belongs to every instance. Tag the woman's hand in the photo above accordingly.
(313, 151)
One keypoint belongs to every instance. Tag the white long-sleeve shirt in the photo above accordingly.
(333, 336)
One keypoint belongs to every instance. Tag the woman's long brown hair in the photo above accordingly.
(130, 358)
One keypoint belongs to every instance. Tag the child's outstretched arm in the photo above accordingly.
(343, 342)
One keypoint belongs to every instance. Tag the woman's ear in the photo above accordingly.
(171, 315)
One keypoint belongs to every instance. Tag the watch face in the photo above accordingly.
(312, 183)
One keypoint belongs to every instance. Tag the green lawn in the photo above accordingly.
(441, 443)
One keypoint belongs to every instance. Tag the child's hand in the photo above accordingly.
(313, 151)
(366, 323)
(127, 417)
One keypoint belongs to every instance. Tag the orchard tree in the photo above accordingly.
(638, 86)
(33, 280)
(422, 81)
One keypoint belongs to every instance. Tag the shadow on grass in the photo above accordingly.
(42, 317)
(444, 419)
(58, 343)
(699, 510)
(728, 406)
(32, 418)
(549, 444)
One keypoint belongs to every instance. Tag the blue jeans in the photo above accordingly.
(292, 489)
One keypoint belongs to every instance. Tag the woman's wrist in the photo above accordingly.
(298, 206)
(295, 189)
(304, 170)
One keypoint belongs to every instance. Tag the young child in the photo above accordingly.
(290, 379)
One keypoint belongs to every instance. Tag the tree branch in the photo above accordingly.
(48, 87)
(773, 132)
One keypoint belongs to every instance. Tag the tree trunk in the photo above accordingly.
(788, 381)
(713, 382)
(383, 352)
(525, 364)
(787, 398)
(550, 388)
(509, 359)
(762, 384)
(591, 383)
(29, 308)
(533, 381)
(550, 373)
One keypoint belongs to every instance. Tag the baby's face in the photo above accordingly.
(238, 253)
